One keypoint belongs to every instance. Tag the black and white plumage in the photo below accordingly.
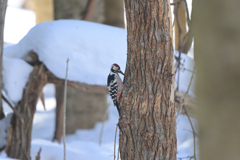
(115, 84)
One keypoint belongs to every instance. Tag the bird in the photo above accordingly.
(115, 84)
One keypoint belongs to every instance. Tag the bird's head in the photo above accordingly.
(116, 69)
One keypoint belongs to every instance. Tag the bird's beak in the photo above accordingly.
(121, 72)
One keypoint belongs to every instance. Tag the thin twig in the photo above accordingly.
(64, 112)
(14, 110)
(186, 93)
(101, 132)
(90, 9)
(194, 134)
(115, 142)
(118, 154)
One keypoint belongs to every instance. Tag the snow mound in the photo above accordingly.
(90, 47)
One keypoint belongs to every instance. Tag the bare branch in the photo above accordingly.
(77, 85)
(90, 9)
(14, 110)
(64, 112)
(194, 135)
(186, 93)
(115, 142)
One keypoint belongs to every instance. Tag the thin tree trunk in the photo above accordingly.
(147, 121)
(92, 10)
(217, 37)
(114, 13)
(3, 6)
(59, 113)
(179, 23)
(19, 139)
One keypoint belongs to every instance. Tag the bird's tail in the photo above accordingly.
(116, 104)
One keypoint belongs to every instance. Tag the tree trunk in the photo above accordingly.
(19, 138)
(59, 113)
(114, 13)
(179, 23)
(76, 9)
(42, 8)
(147, 121)
(217, 37)
(3, 5)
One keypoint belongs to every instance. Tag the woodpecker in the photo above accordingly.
(115, 84)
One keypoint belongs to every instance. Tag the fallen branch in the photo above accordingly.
(14, 110)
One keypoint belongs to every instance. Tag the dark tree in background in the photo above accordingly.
(82, 105)
(217, 37)
(3, 5)
(147, 123)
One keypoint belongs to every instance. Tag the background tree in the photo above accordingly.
(217, 37)
(42, 8)
(93, 105)
(180, 20)
(3, 5)
(147, 122)
(81, 104)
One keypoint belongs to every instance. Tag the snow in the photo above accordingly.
(185, 72)
(15, 76)
(4, 123)
(90, 47)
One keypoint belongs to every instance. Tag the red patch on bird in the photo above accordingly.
(116, 65)
(118, 94)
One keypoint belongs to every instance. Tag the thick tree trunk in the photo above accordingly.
(19, 138)
(3, 5)
(147, 121)
(217, 37)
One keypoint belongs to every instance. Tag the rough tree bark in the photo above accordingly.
(3, 5)
(19, 138)
(216, 43)
(147, 122)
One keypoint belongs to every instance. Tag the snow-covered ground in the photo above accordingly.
(91, 48)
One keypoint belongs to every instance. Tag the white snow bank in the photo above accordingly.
(15, 77)
(90, 47)
(75, 150)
